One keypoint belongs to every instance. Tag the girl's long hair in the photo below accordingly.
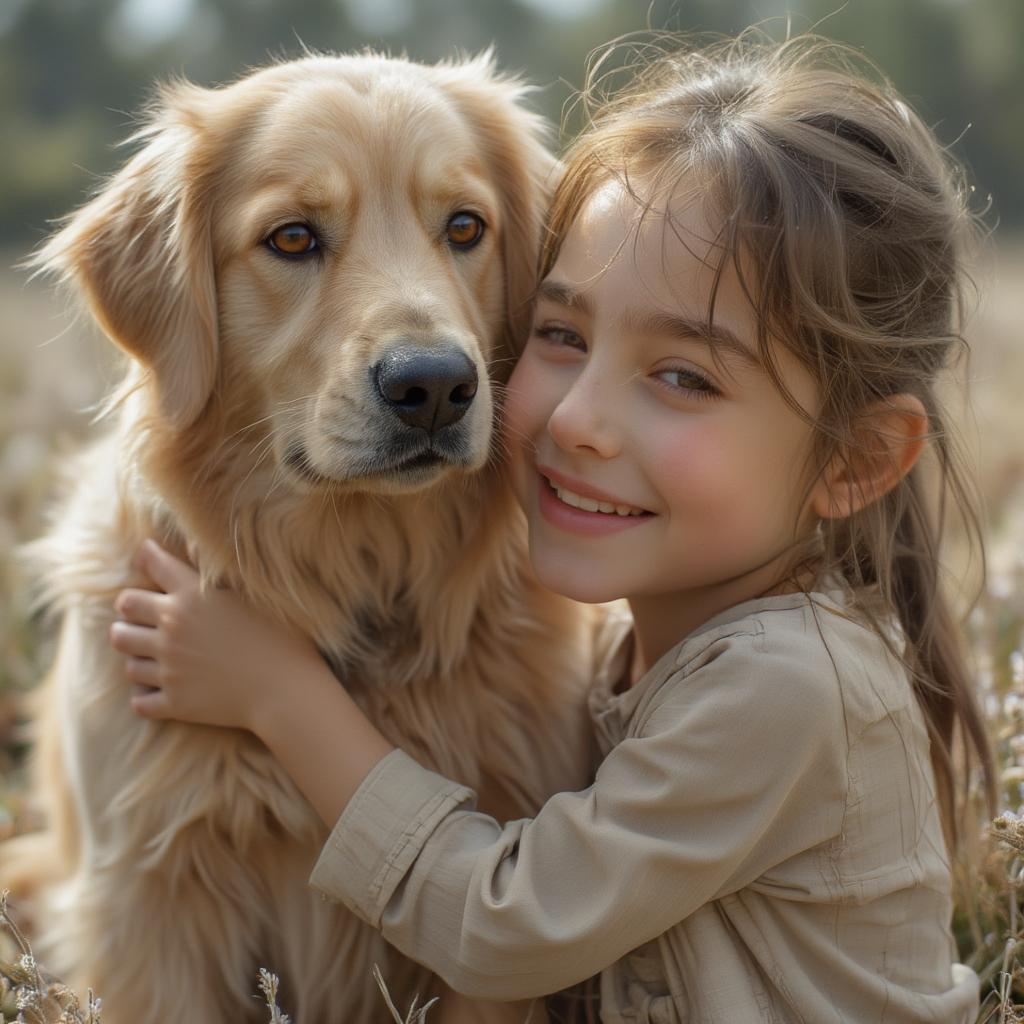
(846, 224)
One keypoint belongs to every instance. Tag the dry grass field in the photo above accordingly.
(52, 370)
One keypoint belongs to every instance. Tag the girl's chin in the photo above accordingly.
(576, 587)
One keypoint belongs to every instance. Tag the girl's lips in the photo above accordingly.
(578, 486)
(560, 480)
(578, 520)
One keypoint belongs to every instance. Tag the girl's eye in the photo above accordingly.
(464, 230)
(690, 382)
(561, 336)
(293, 240)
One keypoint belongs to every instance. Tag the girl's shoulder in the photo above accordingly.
(829, 645)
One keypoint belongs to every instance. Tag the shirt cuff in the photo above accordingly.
(381, 832)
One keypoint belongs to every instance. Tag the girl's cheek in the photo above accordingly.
(524, 413)
(521, 421)
(699, 472)
(729, 487)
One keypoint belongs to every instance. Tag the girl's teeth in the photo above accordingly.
(568, 497)
(590, 505)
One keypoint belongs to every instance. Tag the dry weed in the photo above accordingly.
(25, 990)
(414, 1016)
(30, 993)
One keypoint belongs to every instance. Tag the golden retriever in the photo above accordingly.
(321, 274)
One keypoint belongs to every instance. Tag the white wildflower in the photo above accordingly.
(27, 999)
(268, 986)
(1013, 707)
(1001, 586)
(991, 706)
(1017, 668)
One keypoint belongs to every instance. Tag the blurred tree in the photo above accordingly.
(73, 72)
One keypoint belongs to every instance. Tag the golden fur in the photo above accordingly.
(176, 858)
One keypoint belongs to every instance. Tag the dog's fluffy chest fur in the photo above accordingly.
(412, 603)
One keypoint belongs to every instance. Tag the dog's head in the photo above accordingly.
(337, 252)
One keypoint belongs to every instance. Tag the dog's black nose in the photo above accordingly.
(427, 387)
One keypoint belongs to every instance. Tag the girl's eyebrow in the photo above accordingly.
(563, 295)
(664, 324)
(686, 329)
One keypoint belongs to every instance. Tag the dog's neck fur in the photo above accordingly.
(372, 607)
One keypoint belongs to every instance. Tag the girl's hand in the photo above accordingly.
(204, 657)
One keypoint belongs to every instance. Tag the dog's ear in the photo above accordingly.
(514, 144)
(141, 254)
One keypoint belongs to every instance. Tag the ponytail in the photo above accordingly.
(935, 654)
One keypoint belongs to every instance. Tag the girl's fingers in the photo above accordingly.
(140, 606)
(142, 670)
(166, 571)
(140, 641)
(149, 702)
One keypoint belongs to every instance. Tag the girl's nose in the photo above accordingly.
(584, 420)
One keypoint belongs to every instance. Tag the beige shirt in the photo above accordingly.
(761, 843)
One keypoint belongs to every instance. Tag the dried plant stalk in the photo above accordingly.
(40, 999)
(414, 1016)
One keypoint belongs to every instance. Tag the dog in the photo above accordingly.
(320, 274)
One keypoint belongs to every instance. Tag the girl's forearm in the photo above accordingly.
(322, 740)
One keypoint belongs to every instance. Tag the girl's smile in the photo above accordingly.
(661, 462)
(578, 508)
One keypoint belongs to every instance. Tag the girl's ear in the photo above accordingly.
(888, 443)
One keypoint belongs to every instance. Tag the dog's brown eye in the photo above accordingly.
(464, 230)
(293, 240)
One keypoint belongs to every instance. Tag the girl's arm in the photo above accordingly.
(207, 658)
(711, 792)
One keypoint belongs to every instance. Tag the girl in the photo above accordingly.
(749, 289)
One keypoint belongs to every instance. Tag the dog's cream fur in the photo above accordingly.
(176, 857)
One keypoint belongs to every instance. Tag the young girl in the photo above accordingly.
(750, 286)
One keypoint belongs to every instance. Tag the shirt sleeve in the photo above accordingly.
(738, 766)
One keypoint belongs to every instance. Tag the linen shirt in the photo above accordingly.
(761, 842)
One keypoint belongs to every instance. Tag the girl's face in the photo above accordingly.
(619, 399)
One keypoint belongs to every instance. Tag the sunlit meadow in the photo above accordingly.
(53, 370)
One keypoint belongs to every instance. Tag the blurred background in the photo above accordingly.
(74, 72)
